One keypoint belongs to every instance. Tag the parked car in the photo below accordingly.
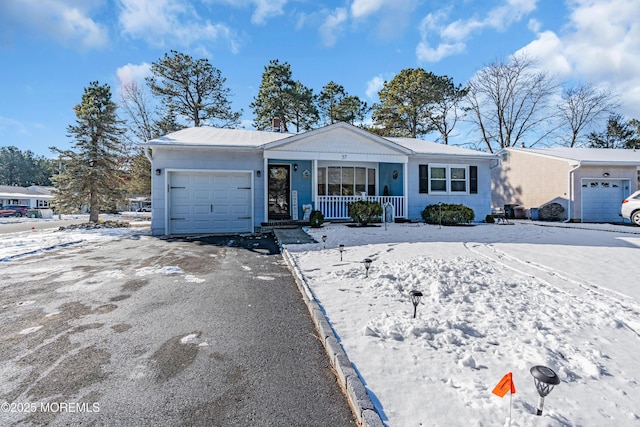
(145, 209)
(630, 208)
(19, 210)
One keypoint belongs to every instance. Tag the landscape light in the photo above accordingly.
(415, 300)
(341, 249)
(544, 378)
(324, 241)
(367, 264)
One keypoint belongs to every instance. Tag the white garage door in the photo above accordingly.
(210, 202)
(601, 200)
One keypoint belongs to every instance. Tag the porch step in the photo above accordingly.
(285, 223)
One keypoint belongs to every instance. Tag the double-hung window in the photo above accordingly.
(448, 179)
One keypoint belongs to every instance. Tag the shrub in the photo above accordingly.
(316, 219)
(363, 212)
(489, 219)
(451, 214)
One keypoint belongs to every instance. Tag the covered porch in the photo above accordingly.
(328, 168)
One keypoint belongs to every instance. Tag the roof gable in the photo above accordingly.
(338, 138)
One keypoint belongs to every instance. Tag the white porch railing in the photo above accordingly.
(336, 207)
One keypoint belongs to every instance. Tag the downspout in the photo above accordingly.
(570, 198)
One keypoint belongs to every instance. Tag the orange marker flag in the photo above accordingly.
(505, 385)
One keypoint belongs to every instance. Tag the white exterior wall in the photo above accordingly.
(480, 202)
(190, 158)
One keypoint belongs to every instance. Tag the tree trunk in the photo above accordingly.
(94, 207)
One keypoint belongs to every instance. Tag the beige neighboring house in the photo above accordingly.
(590, 183)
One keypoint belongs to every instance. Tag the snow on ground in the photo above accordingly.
(497, 299)
(39, 239)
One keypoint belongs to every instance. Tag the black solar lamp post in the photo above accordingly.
(341, 249)
(367, 264)
(544, 378)
(324, 241)
(415, 300)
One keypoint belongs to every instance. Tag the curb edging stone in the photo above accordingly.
(356, 392)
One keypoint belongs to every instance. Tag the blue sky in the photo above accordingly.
(50, 50)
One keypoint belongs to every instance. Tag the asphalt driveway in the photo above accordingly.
(144, 331)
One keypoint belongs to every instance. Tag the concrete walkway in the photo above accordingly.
(292, 236)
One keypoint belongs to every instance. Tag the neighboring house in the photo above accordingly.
(35, 197)
(590, 183)
(210, 180)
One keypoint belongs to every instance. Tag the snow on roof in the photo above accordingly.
(240, 138)
(25, 192)
(210, 136)
(419, 146)
(588, 155)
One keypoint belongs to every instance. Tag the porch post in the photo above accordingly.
(265, 182)
(405, 190)
(314, 183)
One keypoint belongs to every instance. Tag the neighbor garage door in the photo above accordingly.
(601, 200)
(210, 202)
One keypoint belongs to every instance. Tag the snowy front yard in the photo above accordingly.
(497, 299)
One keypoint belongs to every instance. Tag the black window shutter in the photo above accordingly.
(424, 179)
(473, 179)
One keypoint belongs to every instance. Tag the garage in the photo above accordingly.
(601, 199)
(210, 202)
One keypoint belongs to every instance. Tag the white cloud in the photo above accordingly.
(373, 87)
(9, 124)
(546, 51)
(169, 22)
(451, 38)
(67, 21)
(132, 72)
(332, 26)
(424, 52)
(600, 45)
(361, 8)
(266, 9)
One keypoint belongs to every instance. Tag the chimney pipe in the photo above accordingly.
(276, 124)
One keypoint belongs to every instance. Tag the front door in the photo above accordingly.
(279, 192)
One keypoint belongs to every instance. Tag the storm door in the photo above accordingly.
(279, 185)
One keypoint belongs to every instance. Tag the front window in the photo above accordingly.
(449, 179)
(346, 181)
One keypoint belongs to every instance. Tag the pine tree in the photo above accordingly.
(283, 98)
(336, 105)
(194, 89)
(91, 171)
(406, 104)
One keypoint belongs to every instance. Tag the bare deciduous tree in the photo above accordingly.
(508, 102)
(582, 106)
(136, 105)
